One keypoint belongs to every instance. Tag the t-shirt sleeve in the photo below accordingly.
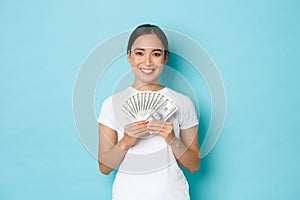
(188, 114)
(106, 116)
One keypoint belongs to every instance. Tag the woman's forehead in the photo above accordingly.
(149, 41)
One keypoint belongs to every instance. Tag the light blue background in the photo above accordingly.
(255, 45)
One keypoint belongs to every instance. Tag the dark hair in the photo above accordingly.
(145, 29)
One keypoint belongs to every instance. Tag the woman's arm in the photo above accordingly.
(110, 152)
(185, 150)
(108, 149)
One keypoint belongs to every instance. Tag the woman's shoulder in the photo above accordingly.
(175, 95)
(118, 96)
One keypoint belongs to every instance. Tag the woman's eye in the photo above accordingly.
(156, 54)
(139, 53)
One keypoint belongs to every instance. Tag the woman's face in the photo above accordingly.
(147, 58)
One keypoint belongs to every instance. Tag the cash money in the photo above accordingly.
(164, 112)
(149, 105)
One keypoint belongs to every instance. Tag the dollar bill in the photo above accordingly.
(164, 112)
(149, 105)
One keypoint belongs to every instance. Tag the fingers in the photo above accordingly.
(137, 129)
(159, 124)
(160, 127)
(136, 125)
(140, 128)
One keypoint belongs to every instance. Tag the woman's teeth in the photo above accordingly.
(147, 71)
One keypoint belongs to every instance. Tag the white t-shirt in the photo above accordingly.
(149, 169)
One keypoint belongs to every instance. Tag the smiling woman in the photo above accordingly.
(147, 151)
(146, 58)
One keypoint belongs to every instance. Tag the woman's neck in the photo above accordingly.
(148, 87)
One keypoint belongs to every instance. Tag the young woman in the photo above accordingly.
(147, 152)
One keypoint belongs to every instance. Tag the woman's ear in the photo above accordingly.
(128, 55)
(166, 57)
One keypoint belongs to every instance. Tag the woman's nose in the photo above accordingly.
(148, 59)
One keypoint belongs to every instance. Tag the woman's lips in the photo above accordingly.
(147, 71)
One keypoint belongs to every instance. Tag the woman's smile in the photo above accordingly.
(146, 70)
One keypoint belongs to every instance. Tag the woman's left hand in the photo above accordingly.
(165, 129)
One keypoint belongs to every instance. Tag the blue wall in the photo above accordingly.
(255, 45)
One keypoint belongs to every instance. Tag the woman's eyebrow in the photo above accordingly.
(138, 49)
(158, 50)
(142, 49)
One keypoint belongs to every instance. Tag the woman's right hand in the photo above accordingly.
(133, 131)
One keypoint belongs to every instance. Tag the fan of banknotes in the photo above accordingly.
(148, 105)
